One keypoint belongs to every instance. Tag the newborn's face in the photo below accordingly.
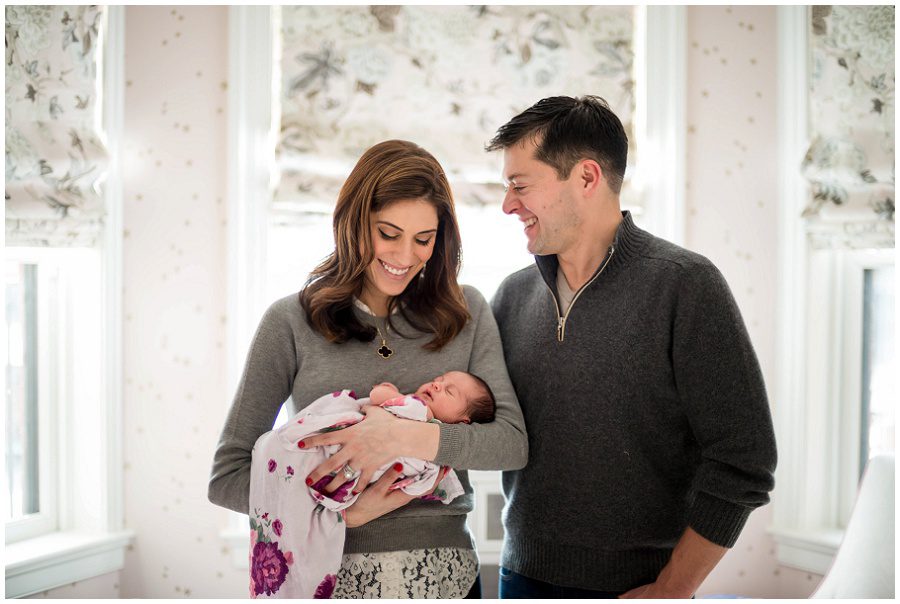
(448, 396)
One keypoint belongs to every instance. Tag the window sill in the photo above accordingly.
(810, 550)
(49, 561)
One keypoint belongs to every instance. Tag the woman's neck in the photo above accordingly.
(377, 303)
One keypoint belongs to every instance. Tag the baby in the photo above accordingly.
(297, 531)
(452, 398)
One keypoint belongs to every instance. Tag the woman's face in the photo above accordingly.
(403, 235)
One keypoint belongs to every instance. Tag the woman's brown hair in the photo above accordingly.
(433, 302)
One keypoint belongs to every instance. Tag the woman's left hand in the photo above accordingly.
(365, 447)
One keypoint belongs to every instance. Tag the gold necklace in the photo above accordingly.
(384, 351)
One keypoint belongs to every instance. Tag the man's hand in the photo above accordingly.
(692, 560)
(377, 500)
(653, 590)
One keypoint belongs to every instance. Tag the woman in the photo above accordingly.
(384, 306)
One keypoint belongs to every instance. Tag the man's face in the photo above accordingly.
(543, 203)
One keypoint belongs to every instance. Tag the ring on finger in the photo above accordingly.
(348, 471)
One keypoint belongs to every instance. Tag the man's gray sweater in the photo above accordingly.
(646, 413)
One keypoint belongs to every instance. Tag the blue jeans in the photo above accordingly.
(514, 585)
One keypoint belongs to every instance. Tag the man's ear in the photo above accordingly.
(590, 175)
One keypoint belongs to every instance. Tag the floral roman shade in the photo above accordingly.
(55, 156)
(445, 77)
(850, 162)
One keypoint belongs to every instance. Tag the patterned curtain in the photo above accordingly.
(55, 157)
(850, 163)
(445, 77)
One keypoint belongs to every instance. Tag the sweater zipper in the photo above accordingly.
(561, 318)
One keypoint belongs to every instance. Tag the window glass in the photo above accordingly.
(879, 375)
(22, 476)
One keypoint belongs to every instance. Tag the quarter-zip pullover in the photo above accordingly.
(646, 413)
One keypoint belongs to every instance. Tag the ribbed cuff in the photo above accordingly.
(718, 520)
(450, 446)
(568, 565)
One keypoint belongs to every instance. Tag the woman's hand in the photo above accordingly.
(377, 500)
(365, 446)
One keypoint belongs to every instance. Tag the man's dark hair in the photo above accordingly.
(483, 406)
(567, 130)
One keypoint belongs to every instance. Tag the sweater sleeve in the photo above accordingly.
(264, 386)
(501, 444)
(721, 387)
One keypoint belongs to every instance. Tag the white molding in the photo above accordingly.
(661, 118)
(250, 148)
(60, 558)
(114, 111)
(790, 397)
(251, 144)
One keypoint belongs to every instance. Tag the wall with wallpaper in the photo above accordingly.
(175, 320)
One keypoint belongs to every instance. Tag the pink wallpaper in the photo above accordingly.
(175, 300)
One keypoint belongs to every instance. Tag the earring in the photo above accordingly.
(422, 272)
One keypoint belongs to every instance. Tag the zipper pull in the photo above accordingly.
(560, 329)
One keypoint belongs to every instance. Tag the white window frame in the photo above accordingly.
(90, 539)
(660, 58)
(817, 393)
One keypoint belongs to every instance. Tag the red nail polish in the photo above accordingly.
(301, 444)
(354, 493)
(308, 481)
(398, 467)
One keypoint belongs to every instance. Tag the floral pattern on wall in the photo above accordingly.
(55, 158)
(850, 162)
(445, 77)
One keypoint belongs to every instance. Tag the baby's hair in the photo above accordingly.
(483, 406)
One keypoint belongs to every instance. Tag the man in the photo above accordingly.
(650, 436)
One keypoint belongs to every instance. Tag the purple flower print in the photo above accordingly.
(277, 527)
(352, 394)
(325, 588)
(339, 495)
(272, 465)
(268, 568)
(336, 393)
(290, 471)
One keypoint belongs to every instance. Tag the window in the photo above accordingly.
(836, 246)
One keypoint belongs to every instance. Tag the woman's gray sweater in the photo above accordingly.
(288, 361)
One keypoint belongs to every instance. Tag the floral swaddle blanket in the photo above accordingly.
(297, 531)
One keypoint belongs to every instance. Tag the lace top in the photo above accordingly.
(445, 572)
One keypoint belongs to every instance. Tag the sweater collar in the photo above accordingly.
(628, 242)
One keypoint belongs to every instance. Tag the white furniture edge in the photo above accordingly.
(62, 557)
(661, 118)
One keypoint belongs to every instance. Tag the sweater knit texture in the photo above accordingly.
(289, 361)
(648, 417)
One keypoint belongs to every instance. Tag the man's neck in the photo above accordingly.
(581, 261)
